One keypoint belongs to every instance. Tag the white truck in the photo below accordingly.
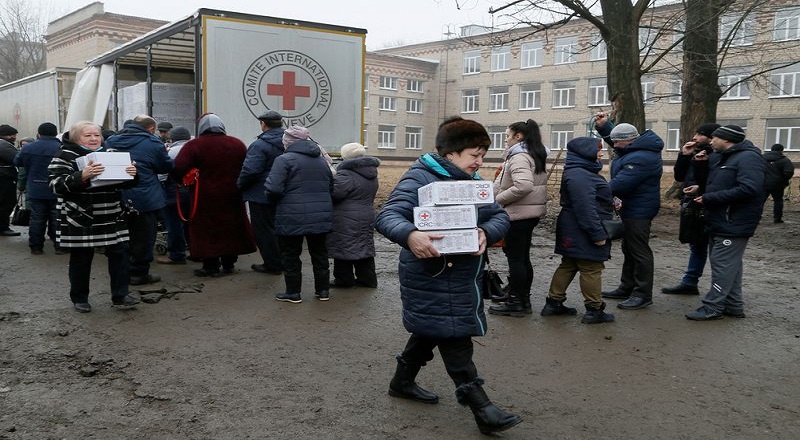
(42, 97)
(237, 66)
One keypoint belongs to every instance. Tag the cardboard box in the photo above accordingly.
(459, 192)
(114, 163)
(456, 241)
(445, 217)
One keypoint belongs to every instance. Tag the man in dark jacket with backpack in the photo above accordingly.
(733, 199)
(779, 173)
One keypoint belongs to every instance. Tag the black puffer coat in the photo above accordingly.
(441, 296)
(354, 189)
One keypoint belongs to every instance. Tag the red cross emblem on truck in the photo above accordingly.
(289, 90)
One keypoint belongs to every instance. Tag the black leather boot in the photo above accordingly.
(403, 385)
(597, 315)
(553, 307)
(488, 417)
(516, 306)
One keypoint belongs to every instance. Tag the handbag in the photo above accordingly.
(614, 227)
(21, 216)
(492, 286)
(692, 225)
(192, 178)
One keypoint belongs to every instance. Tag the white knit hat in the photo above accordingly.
(352, 150)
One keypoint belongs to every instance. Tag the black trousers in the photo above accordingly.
(262, 218)
(518, 253)
(364, 269)
(291, 247)
(777, 203)
(80, 270)
(142, 228)
(456, 355)
(638, 265)
(8, 199)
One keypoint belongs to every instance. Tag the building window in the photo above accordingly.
(785, 132)
(566, 49)
(675, 89)
(598, 92)
(564, 94)
(673, 142)
(785, 82)
(787, 25)
(560, 134)
(413, 138)
(599, 49)
(501, 58)
(648, 90)
(469, 101)
(678, 31)
(386, 136)
(647, 37)
(413, 105)
(734, 83)
(498, 99)
(736, 31)
(388, 103)
(498, 135)
(388, 82)
(366, 91)
(472, 62)
(530, 97)
(531, 54)
(414, 85)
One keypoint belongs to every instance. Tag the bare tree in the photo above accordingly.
(23, 25)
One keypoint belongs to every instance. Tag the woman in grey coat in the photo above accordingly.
(351, 243)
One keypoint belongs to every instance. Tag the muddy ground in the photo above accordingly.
(221, 359)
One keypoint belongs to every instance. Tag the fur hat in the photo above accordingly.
(731, 133)
(47, 129)
(352, 150)
(707, 129)
(294, 134)
(623, 132)
(7, 130)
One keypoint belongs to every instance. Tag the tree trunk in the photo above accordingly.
(700, 92)
(623, 69)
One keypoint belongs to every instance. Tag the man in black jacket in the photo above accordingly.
(8, 178)
(734, 199)
(691, 168)
(779, 173)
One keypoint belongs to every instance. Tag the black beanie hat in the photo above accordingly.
(732, 133)
(7, 130)
(47, 129)
(707, 129)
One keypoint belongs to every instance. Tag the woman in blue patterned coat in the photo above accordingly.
(90, 217)
(442, 304)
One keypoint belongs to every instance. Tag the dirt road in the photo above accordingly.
(221, 359)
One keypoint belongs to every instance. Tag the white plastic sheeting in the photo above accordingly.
(91, 95)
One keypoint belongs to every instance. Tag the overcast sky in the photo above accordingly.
(387, 22)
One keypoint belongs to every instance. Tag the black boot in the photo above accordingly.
(403, 385)
(597, 315)
(553, 307)
(489, 417)
(516, 306)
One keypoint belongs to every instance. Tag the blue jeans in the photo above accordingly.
(698, 253)
(176, 233)
(44, 218)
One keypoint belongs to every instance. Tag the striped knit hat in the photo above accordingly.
(732, 133)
